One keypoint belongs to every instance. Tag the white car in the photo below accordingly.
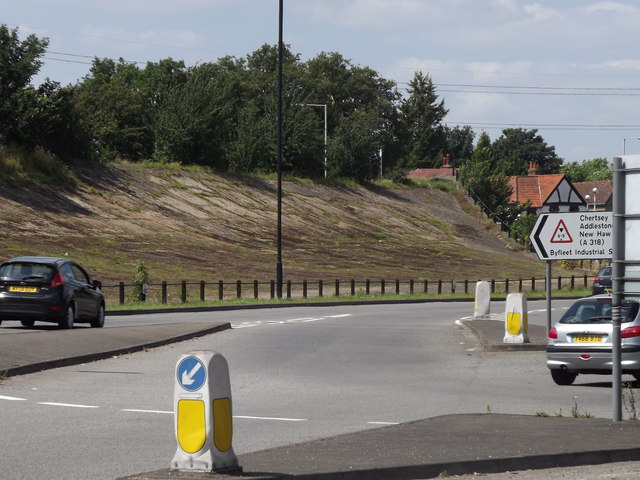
(581, 343)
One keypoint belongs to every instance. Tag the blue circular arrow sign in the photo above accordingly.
(191, 373)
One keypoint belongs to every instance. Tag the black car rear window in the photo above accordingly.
(605, 272)
(598, 311)
(23, 271)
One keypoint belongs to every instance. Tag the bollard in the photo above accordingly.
(203, 414)
(516, 319)
(482, 303)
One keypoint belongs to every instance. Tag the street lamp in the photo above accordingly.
(595, 190)
(624, 143)
(323, 105)
(279, 275)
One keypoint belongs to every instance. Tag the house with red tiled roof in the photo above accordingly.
(599, 195)
(445, 172)
(547, 193)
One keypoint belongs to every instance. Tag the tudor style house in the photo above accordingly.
(547, 193)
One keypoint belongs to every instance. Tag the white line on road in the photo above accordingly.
(137, 410)
(13, 399)
(53, 404)
(287, 322)
(247, 417)
(383, 423)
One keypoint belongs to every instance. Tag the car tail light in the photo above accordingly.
(553, 333)
(596, 280)
(630, 332)
(57, 281)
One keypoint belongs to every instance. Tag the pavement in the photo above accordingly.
(430, 448)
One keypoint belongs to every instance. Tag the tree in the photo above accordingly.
(517, 147)
(521, 228)
(421, 115)
(19, 62)
(111, 101)
(459, 144)
(196, 120)
(353, 151)
(589, 171)
(479, 176)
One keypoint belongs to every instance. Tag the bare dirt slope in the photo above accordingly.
(193, 225)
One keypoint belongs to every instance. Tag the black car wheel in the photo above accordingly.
(98, 322)
(69, 316)
(27, 323)
(563, 377)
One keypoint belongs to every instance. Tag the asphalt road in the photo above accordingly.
(297, 374)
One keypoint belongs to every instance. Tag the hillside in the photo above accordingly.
(192, 225)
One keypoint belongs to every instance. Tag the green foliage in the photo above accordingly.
(19, 62)
(596, 169)
(479, 178)
(353, 151)
(140, 281)
(521, 228)
(516, 147)
(421, 118)
(223, 115)
(459, 144)
(19, 166)
(196, 119)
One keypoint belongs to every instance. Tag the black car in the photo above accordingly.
(602, 281)
(50, 290)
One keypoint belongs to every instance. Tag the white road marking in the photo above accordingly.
(247, 417)
(383, 423)
(137, 410)
(67, 405)
(288, 321)
(13, 399)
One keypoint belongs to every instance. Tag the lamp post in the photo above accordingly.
(323, 105)
(279, 276)
(624, 143)
(595, 190)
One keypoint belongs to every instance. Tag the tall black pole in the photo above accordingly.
(279, 241)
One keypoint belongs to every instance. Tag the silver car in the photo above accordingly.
(581, 341)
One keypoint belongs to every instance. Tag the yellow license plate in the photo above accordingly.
(588, 339)
(23, 289)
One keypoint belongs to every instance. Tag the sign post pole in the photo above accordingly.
(548, 296)
(617, 273)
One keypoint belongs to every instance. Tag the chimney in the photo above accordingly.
(534, 169)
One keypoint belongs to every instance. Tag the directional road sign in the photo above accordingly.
(191, 373)
(573, 235)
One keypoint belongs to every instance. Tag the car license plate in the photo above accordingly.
(23, 289)
(587, 339)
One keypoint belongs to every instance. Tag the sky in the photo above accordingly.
(568, 68)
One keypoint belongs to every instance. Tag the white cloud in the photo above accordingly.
(616, 7)
(145, 38)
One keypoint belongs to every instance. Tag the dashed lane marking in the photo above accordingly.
(12, 399)
(289, 321)
(72, 405)
(138, 410)
(248, 417)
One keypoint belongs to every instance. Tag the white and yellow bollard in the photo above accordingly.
(482, 303)
(203, 414)
(516, 319)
